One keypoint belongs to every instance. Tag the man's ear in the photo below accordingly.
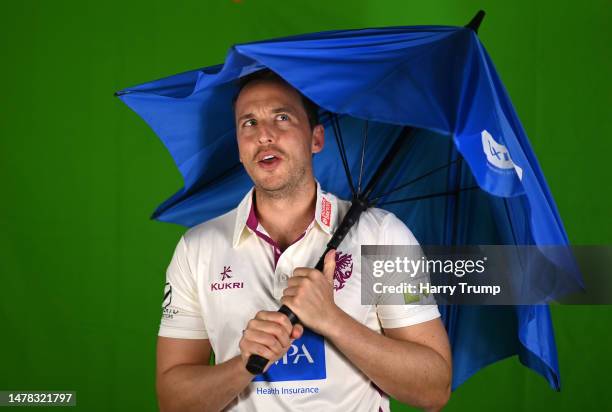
(239, 156)
(318, 138)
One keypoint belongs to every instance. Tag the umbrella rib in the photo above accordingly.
(404, 185)
(429, 196)
(342, 150)
(363, 146)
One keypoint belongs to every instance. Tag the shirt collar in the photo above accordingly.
(326, 214)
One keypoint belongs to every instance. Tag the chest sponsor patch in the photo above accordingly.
(325, 211)
(305, 360)
(226, 281)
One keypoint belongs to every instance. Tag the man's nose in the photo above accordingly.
(266, 134)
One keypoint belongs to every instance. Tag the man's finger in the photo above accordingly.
(276, 317)
(329, 265)
(295, 281)
(290, 291)
(297, 331)
(273, 342)
(301, 271)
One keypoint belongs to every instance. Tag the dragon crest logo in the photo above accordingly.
(344, 269)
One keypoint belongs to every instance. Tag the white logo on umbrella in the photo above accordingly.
(497, 154)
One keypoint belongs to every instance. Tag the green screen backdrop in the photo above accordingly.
(82, 266)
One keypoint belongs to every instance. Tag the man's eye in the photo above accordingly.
(250, 122)
(282, 117)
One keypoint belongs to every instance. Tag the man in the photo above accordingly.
(229, 275)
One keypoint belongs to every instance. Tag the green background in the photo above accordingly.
(82, 266)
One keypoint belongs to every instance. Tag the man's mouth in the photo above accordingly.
(269, 161)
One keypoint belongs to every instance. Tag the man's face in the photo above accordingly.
(275, 140)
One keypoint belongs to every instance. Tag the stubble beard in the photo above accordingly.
(295, 180)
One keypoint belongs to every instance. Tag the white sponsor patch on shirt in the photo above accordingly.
(326, 209)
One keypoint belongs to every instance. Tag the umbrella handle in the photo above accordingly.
(257, 363)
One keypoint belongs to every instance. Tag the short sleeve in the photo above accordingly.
(181, 312)
(394, 232)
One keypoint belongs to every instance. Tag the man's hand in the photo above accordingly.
(269, 334)
(310, 295)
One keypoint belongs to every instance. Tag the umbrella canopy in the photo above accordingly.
(437, 79)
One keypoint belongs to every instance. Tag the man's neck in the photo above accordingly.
(286, 218)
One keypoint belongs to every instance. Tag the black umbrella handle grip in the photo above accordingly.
(256, 363)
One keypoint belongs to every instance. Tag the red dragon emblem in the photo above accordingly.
(344, 269)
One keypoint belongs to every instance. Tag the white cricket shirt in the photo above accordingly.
(227, 269)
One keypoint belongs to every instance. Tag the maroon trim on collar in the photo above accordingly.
(252, 221)
(253, 224)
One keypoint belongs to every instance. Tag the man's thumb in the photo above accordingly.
(329, 265)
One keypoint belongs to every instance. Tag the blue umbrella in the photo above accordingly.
(466, 173)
